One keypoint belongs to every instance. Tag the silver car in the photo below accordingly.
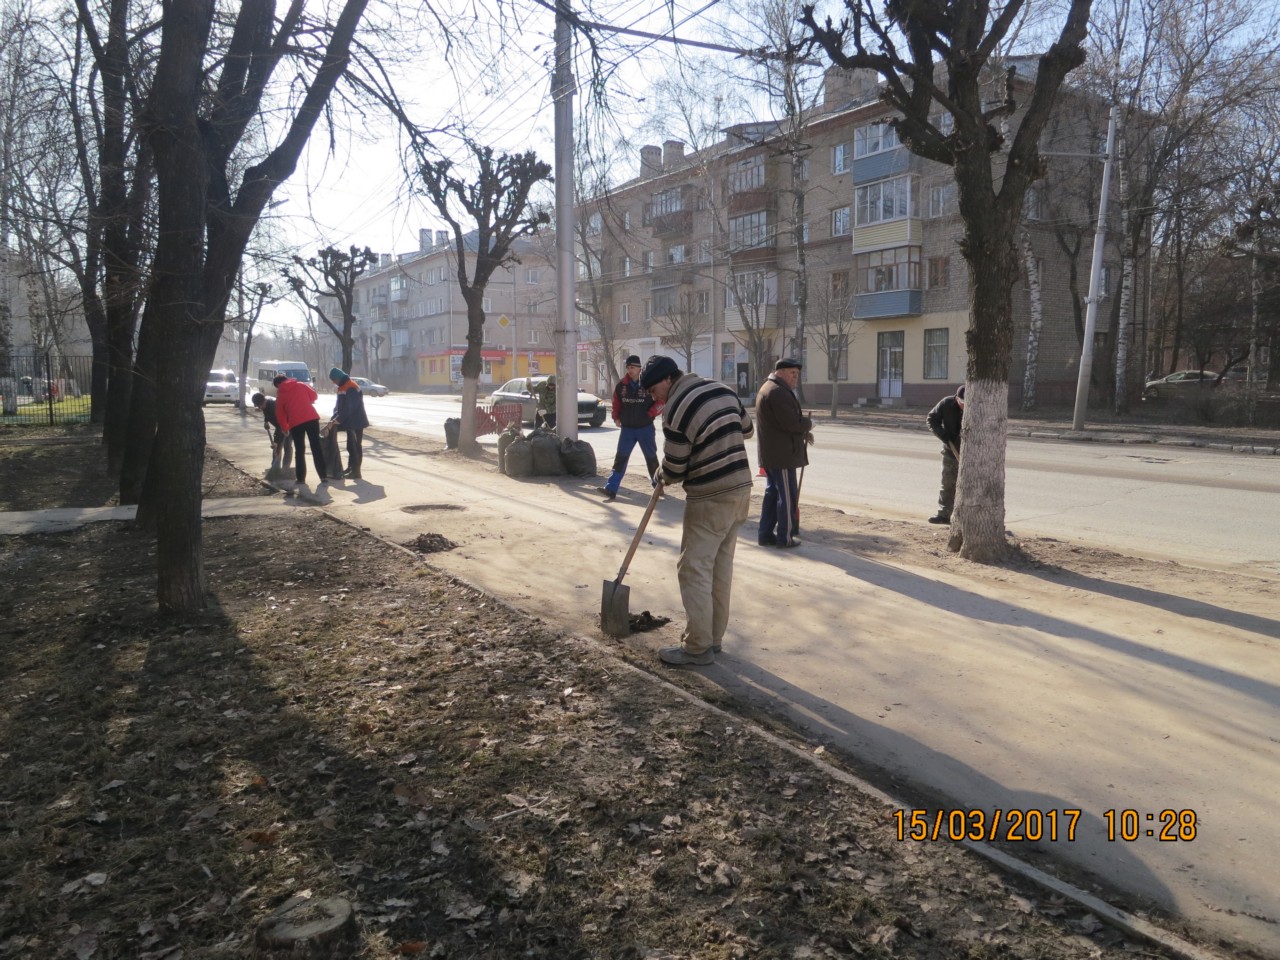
(369, 388)
(591, 409)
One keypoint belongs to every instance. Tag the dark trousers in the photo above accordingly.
(311, 431)
(645, 436)
(355, 451)
(947, 492)
(780, 507)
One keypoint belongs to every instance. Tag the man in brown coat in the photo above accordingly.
(781, 427)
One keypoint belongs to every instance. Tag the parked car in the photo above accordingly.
(222, 386)
(369, 388)
(591, 409)
(1177, 384)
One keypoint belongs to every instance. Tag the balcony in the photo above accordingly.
(379, 299)
(672, 224)
(761, 317)
(401, 350)
(762, 253)
(890, 303)
(759, 198)
(400, 296)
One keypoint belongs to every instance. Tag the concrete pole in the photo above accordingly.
(1095, 278)
(566, 273)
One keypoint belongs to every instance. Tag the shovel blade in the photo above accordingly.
(614, 609)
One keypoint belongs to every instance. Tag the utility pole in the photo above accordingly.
(566, 274)
(1095, 277)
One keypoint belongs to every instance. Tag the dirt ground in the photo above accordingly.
(344, 721)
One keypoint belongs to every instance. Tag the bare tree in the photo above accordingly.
(965, 83)
(332, 274)
(494, 199)
(833, 330)
(686, 322)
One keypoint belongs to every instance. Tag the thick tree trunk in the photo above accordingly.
(472, 365)
(977, 525)
(1124, 332)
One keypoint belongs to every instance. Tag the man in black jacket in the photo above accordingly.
(945, 420)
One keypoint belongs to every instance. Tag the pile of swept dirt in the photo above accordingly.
(346, 722)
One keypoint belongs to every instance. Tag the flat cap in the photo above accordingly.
(786, 363)
(656, 370)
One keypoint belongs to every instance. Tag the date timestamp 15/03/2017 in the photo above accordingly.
(1016, 825)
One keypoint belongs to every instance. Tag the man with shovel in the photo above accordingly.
(281, 452)
(944, 421)
(705, 429)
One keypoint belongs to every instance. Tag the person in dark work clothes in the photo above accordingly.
(267, 407)
(944, 421)
(781, 427)
(349, 415)
(634, 412)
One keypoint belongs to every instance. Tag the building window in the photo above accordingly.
(1104, 281)
(795, 289)
(648, 308)
(668, 201)
(802, 170)
(435, 305)
(840, 289)
(531, 275)
(885, 270)
(749, 231)
(747, 175)
(942, 199)
(840, 158)
(664, 302)
(626, 266)
(1031, 204)
(939, 272)
(804, 232)
(532, 306)
(885, 200)
(746, 290)
(595, 224)
(533, 336)
(624, 313)
(936, 345)
(840, 222)
(648, 261)
(875, 138)
(678, 253)
(704, 251)
(626, 220)
(486, 304)
(701, 303)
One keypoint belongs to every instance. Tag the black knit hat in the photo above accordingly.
(656, 370)
(632, 361)
(960, 393)
(786, 363)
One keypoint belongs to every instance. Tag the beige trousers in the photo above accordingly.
(705, 567)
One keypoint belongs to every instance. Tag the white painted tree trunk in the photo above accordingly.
(977, 523)
(1032, 268)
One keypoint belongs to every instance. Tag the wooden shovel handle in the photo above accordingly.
(635, 541)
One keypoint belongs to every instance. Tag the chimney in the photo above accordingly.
(424, 240)
(650, 161)
(384, 261)
(442, 238)
(841, 87)
(672, 153)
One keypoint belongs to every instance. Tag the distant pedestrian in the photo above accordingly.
(545, 394)
(945, 420)
(783, 428)
(634, 412)
(349, 415)
(296, 413)
(704, 430)
(267, 407)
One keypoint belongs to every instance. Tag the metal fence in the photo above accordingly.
(45, 389)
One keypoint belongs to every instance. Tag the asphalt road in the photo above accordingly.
(1210, 508)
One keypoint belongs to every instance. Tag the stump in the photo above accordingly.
(307, 927)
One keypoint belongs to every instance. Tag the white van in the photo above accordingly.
(268, 370)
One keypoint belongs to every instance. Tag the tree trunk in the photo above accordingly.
(1124, 325)
(472, 365)
(977, 526)
(1031, 372)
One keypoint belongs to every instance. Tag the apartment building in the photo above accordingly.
(700, 256)
(411, 324)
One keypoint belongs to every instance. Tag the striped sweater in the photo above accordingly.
(705, 427)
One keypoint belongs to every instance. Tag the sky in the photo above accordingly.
(353, 190)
